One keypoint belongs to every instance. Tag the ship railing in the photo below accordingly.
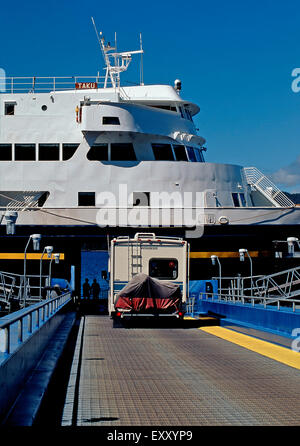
(40, 84)
(12, 288)
(18, 327)
(7, 284)
(284, 284)
(263, 184)
(240, 285)
(252, 301)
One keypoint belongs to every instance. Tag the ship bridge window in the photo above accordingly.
(122, 152)
(5, 152)
(110, 120)
(199, 155)
(164, 269)
(188, 114)
(25, 152)
(98, 152)
(242, 199)
(163, 152)
(9, 108)
(48, 152)
(239, 199)
(180, 153)
(165, 107)
(191, 154)
(68, 151)
(86, 199)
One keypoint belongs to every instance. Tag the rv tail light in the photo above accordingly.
(180, 313)
(118, 314)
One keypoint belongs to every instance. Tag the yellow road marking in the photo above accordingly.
(276, 352)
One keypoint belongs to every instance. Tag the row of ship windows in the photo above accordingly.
(143, 199)
(9, 109)
(97, 152)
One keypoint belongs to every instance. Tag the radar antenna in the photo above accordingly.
(120, 61)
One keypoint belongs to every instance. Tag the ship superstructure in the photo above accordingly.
(106, 159)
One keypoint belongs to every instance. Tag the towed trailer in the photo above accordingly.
(149, 276)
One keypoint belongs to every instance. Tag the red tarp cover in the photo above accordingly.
(146, 293)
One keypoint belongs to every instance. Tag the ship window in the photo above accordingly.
(9, 108)
(243, 200)
(141, 199)
(165, 107)
(180, 153)
(181, 112)
(163, 152)
(25, 152)
(199, 155)
(68, 151)
(164, 269)
(98, 152)
(48, 152)
(110, 120)
(122, 152)
(86, 198)
(5, 152)
(235, 198)
(191, 154)
(188, 114)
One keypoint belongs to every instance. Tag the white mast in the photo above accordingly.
(121, 60)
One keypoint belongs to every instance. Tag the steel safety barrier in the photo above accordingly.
(28, 321)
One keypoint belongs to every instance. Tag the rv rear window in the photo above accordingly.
(163, 269)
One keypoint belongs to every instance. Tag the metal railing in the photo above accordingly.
(28, 321)
(257, 179)
(265, 302)
(12, 288)
(37, 84)
(7, 284)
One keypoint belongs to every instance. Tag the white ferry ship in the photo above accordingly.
(84, 159)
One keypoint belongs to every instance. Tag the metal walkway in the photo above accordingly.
(179, 376)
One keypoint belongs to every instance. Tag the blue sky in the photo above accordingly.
(234, 58)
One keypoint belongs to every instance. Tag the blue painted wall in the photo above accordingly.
(92, 264)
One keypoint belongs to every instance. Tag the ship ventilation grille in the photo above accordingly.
(263, 184)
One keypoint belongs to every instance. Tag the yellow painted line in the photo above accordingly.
(225, 254)
(276, 352)
(29, 256)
